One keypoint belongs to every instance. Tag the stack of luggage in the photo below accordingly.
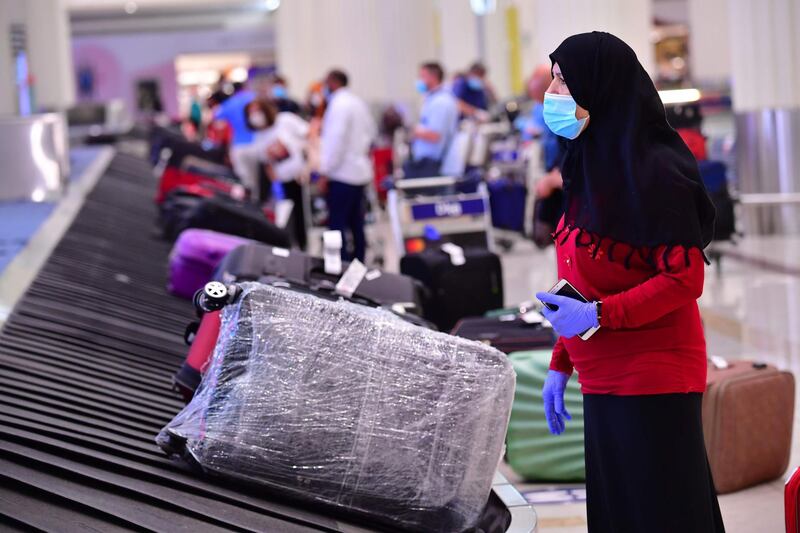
(349, 405)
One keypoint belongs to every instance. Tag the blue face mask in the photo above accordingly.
(421, 87)
(559, 115)
(279, 91)
(475, 84)
(326, 93)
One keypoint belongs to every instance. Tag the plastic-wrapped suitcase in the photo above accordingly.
(456, 291)
(350, 406)
(225, 215)
(195, 258)
(531, 450)
(748, 414)
(791, 502)
(507, 198)
(508, 332)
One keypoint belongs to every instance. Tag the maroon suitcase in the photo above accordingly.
(748, 413)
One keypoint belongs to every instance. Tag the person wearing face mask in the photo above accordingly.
(473, 93)
(347, 133)
(280, 96)
(637, 218)
(232, 112)
(279, 144)
(438, 124)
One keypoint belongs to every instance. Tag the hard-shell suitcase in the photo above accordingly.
(174, 177)
(507, 199)
(456, 291)
(349, 406)
(508, 332)
(255, 261)
(195, 258)
(748, 413)
(227, 215)
(531, 450)
(791, 502)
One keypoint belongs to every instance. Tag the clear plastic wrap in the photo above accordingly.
(335, 402)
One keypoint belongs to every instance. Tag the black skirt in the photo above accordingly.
(646, 465)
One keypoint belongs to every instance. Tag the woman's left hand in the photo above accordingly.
(572, 318)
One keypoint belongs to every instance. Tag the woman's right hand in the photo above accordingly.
(553, 395)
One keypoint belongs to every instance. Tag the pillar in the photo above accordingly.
(709, 49)
(765, 63)
(50, 54)
(379, 44)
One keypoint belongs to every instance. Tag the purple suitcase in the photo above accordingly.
(195, 256)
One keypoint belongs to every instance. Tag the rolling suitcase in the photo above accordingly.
(351, 407)
(188, 377)
(748, 413)
(531, 450)
(226, 215)
(173, 177)
(195, 258)
(456, 291)
(791, 502)
(508, 333)
(255, 261)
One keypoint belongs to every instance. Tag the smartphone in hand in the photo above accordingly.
(565, 288)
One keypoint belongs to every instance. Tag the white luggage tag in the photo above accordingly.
(283, 210)
(455, 252)
(372, 275)
(351, 279)
(718, 362)
(532, 317)
(280, 252)
(332, 251)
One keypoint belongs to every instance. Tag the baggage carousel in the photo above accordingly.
(86, 360)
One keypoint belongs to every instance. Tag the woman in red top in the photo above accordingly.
(636, 220)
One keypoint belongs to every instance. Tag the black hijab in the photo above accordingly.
(628, 176)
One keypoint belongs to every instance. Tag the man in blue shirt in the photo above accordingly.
(232, 112)
(473, 92)
(437, 126)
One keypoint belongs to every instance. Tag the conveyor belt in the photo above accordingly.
(86, 361)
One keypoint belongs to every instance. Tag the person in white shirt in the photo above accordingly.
(348, 130)
(279, 141)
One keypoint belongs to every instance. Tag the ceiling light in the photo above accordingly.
(131, 7)
(272, 5)
(679, 96)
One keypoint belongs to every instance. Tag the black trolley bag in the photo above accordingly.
(456, 291)
(225, 215)
(350, 406)
(252, 262)
(508, 333)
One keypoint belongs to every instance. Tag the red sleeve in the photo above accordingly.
(665, 292)
(560, 360)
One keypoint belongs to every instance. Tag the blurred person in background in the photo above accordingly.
(474, 93)
(280, 96)
(347, 133)
(438, 124)
(548, 206)
(217, 131)
(232, 111)
(279, 143)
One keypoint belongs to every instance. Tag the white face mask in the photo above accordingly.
(258, 119)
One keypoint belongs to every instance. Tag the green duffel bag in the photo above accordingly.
(532, 452)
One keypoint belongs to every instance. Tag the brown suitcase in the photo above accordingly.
(748, 413)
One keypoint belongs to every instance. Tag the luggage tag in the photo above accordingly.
(332, 251)
(351, 279)
(372, 275)
(532, 317)
(280, 252)
(455, 252)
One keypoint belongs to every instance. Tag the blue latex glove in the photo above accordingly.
(573, 316)
(553, 396)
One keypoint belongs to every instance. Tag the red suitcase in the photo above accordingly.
(173, 177)
(188, 377)
(791, 502)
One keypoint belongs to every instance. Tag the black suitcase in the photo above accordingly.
(507, 333)
(225, 215)
(456, 291)
(254, 262)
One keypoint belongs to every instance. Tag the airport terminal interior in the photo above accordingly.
(272, 265)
